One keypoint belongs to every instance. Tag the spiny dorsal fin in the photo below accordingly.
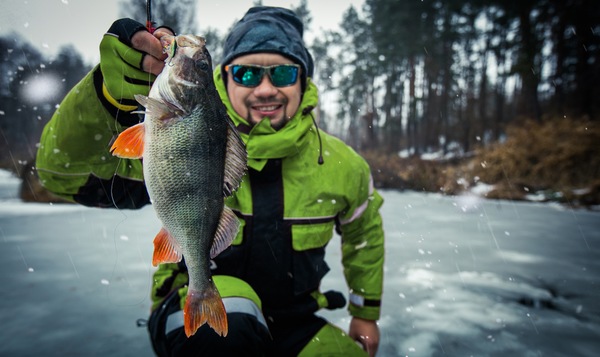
(226, 232)
(166, 249)
(236, 159)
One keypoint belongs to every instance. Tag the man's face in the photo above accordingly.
(277, 104)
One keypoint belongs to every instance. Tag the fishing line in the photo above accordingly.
(151, 29)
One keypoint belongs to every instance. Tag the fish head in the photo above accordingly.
(187, 75)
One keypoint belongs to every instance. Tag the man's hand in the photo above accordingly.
(366, 332)
(154, 61)
(130, 59)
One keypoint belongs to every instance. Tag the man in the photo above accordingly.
(300, 184)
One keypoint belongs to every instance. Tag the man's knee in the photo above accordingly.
(332, 341)
(247, 336)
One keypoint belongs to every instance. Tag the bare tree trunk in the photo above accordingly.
(529, 105)
(411, 126)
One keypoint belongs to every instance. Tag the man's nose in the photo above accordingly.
(265, 88)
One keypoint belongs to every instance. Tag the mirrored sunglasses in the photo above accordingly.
(281, 75)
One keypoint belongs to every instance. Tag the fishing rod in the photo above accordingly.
(149, 24)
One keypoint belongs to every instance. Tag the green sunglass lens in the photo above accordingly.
(284, 75)
(247, 76)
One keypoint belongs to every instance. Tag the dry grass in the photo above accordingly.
(32, 190)
(559, 158)
(391, 171)
(555, 154)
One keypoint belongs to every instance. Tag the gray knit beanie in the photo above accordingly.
(272, 30)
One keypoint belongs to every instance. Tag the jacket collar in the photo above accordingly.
(262, 141)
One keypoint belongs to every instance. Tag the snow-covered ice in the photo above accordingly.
(463, 277)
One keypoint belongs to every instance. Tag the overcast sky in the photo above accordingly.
(48, 24)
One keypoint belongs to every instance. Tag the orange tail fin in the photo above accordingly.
(204, 307)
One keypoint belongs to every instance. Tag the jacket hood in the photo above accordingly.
(262, 141)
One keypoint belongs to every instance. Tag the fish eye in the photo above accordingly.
(203, 65)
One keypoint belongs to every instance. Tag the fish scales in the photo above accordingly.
(193, 157)
(185, 189)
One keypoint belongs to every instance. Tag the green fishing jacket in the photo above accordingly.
(288, 203)
(74, 160)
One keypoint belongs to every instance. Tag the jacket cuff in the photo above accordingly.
(367, 309)
(124, 117)
(166, 27)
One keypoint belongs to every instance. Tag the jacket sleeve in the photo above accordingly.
(73, 159)
(167, 277)
(363, 248)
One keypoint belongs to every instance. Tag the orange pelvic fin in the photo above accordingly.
(204, 307)
(166, 248)
(130, 143)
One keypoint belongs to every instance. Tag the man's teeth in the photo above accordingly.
(267, 109)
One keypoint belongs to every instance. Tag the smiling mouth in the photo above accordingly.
(266, 108)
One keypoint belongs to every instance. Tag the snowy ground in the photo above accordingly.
(464, 277)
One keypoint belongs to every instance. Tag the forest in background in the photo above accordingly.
(437, 95)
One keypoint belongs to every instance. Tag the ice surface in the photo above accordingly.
(464, 277)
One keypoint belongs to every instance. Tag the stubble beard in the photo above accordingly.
(275, 125)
